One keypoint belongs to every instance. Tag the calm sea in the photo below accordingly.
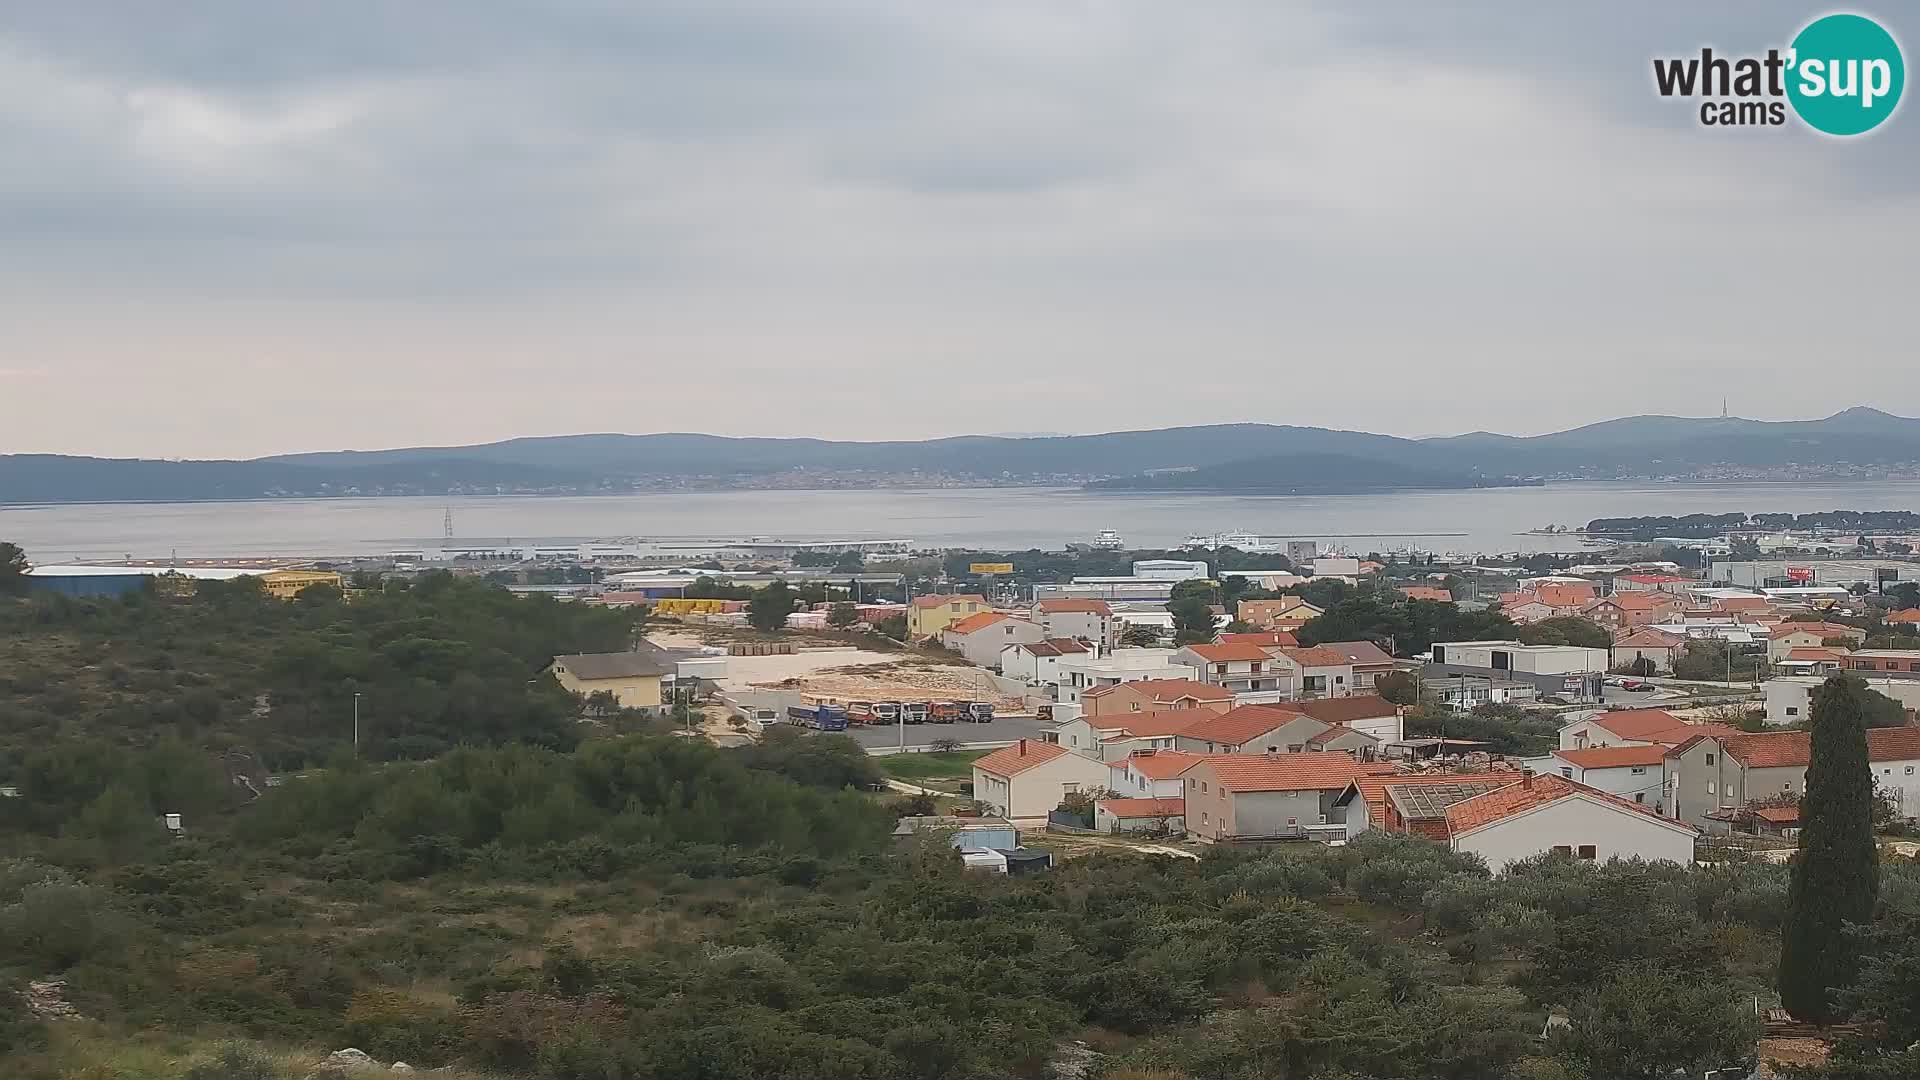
(1493, 520)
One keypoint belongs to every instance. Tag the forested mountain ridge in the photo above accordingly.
(1631, 446)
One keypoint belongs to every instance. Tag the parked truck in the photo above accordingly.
(886, 712)
(981, 712)
(946, 712)
(819, 717)
(914, 712)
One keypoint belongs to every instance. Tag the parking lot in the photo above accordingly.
(1002, 730)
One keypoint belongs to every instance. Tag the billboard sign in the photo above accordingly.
(1800, 574)
(990, 568)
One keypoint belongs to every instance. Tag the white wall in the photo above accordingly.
(1901, 780)
(1036, 791)
(1615, 833)
(1648, 784)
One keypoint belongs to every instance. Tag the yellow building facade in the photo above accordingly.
(632, 678)
(928, 615)
(286, 584)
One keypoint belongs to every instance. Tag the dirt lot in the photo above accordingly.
(855, 674)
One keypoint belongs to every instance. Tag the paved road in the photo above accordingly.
(1003, 730)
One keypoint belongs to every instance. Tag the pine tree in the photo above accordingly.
(1836, 879)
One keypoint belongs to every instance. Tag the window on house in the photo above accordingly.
(1566, 771)
(1562, 849)
(1709, 759)
(1203, 817)
(1203, 785)
(1710, 790)
(1070, 788)
(1339, 678)
(1640, 797)
(1793, 710)
(1587, 851)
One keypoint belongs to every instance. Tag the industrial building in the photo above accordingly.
(1773, 574)
(1570, 672)
(82, 581)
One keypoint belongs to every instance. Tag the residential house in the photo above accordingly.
(1366, 803)
(1153, 695)
(1029, 778)
(1081, 675)
(1323, 671)
(1626, 610)
(1367, 660)
(1113, 736)
(1656, 647)
(1240, 669)
(1790, 697)
(1785, 637)
(1570, 671)
(1666, 583)
(928, 615)
(981, 637)
(1426, 592)
(1248, 796)
(1265, 639)
(1635, 773)
(1632, 727)
(1816, 660)
(1369, 714)
(1149, 774)
(1140, 815)
(1528, 610)
(1288, 613)
(1904, 617)
(1711, 773)
(633, 678)
(1542, 814)
(1038, 662)
(1246, 729)
(1086, 620)
(1901, 661)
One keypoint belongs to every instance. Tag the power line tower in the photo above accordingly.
(447, 523)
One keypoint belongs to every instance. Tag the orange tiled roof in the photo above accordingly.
(1426, 592)
(1905, 615)
(1235, 726)
(1563, 596)
(1167, 690)
(1345, 710)
(1056, 607)
(1646, 637)
(1536, 791)
(1317, 656)
(1637, 601)
(1613, 757)
(979, 621)
(1359, 653)
(1637, 723)
(1053, 647)
(1817, 629)
(1285, 772)
(1220, 654)
(1144, 808)
(1021, 756)
(1147, 725)
(1372, 788)
(1779, 815)
(1816, 653)
(1157, 764)
(1794, 749)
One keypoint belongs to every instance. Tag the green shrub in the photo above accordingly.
(236, 1061)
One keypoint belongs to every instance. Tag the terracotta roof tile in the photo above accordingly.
(1317, 656)
(1162, 690)
(1147, 725)
(1533, 792)
(1816, 653)
(1794, 749)
(1614, 757)
(1426, 592)
(1021, 756)
(940, 600)
(1263, 638)
(975, 622)
(1052, 647)
(1358, 652)
(1345, 710)
(1157, 764)
(1221, 654)
(1284, 772)
(1648, 638)
(1144, 808)
(1236, 726)
(1637, 723)
(1057, 607)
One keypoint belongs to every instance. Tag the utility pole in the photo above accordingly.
(356, 723)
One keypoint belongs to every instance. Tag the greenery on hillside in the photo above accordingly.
(437, 662)
(639, 906)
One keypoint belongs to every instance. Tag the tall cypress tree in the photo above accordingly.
(1836, 878)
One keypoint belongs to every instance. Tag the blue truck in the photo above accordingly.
(819, 717)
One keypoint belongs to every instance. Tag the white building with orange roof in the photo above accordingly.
(1086, 620)
(1260, 796)
(1150, 774)
(981, 637)
(1029, 778)
(1552, 814)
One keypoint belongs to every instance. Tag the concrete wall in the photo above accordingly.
(1036, 791)
(637, 692)
(1614, 833)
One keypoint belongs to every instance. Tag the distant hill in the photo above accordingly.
(1218, 457)
(1295, 474)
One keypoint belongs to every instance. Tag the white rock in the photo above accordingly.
(350, 1058)
(401, 1066)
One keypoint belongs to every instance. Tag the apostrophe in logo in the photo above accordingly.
(1846, 74)
(1842, 75)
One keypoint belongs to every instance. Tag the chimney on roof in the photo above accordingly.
(1526, 779)
(1023, 748)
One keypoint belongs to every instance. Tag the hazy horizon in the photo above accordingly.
(237, 230)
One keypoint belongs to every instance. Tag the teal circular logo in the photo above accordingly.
(1845, 74)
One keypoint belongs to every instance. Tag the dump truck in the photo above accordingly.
(914, 712)
(980, 712)
(818, 717)
(886, 712)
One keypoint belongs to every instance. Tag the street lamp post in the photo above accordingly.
(356, 723)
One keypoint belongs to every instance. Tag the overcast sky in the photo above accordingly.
(230, 229)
